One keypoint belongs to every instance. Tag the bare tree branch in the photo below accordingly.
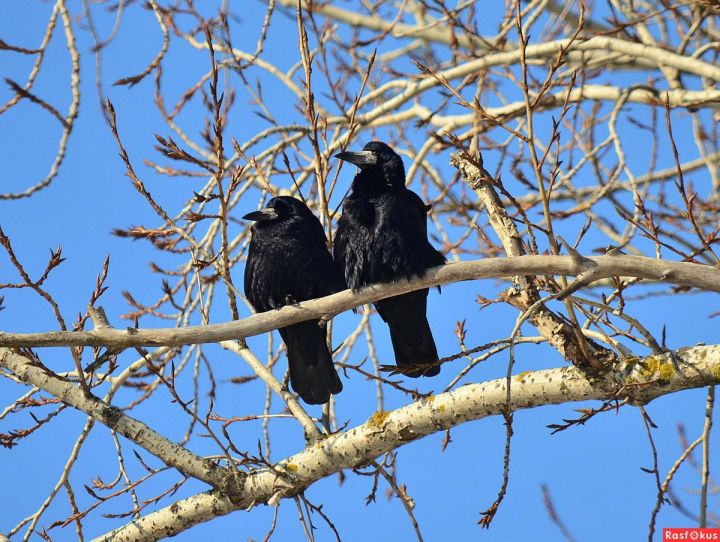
(385, 431)
(683, 274)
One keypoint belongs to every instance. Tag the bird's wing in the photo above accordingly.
(432, 256)
(258, 279)
(403, 230)
(353, 242)
(324, 273)
(340, 241)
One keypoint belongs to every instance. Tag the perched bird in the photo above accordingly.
(382, 236)
(288, 262)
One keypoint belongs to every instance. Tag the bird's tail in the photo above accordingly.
(415, 351)
(312, 373)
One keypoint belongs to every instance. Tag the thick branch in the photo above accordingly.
(434, 32)
(139, 433)
(578, 51)
(704, 277)
(709, 98)
(596, 46)
(558, 333)
(642, 380)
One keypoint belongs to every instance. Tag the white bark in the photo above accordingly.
(641, 380)
(71, 394)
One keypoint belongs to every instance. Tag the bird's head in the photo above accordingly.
(279, 210)
(377, 159)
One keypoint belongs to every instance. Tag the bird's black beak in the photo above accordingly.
(362, 159)
(262, 215)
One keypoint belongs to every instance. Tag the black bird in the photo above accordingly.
(382, 236)
(288, 262)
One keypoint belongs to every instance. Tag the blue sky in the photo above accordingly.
(593, 472)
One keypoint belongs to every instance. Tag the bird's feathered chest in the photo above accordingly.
(382, 237)
(285, 267)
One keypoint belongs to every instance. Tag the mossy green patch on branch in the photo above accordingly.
(631, 361)
(654, 366)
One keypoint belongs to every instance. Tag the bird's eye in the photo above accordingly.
(279, 207)
(385, 157)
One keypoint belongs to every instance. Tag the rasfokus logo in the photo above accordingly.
(688, 533)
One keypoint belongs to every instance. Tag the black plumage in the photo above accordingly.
(382, 236)
(288, 262)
